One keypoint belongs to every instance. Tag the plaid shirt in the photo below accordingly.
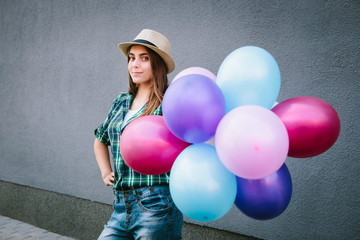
(109, 133)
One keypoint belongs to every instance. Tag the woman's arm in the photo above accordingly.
(103, 160)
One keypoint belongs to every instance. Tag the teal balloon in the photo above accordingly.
(249, 76)
(201, 187)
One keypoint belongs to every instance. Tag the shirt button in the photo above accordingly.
(128, 211)
(151, 189)
(140, 193)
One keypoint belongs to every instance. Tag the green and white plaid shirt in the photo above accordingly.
(109, 133)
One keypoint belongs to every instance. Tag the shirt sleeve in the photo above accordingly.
(101, 132)
(158, 111)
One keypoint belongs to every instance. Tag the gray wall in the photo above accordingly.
(60, 70)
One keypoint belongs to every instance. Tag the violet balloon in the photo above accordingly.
(313, 125)
(266, 198)
(192, 108)
(148, 147)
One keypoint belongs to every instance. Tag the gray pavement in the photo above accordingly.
(11, 229)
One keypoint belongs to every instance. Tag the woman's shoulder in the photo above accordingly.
(120, 100)
(122, 97)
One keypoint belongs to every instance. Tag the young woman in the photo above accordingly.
(143, 208)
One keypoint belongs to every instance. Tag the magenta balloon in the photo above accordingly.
(195, 70)
(148, 147)
(251, 142)
(313, 125)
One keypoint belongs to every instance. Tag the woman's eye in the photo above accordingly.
(145, 58)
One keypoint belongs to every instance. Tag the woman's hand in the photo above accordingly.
(109, 179)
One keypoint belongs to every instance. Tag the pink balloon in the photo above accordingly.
(148, 147)
(313, 125)
(195, 70)
(252, 142)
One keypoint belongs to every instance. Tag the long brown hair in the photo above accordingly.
(159, 82)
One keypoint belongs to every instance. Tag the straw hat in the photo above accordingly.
(156, 42)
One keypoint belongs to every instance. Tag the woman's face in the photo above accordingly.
(139, 65)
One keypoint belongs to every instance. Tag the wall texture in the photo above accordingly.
(60, 70)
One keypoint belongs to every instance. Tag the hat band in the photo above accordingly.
(144, 42)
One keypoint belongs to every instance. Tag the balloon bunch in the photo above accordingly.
(246, 165)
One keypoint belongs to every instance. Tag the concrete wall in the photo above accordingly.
(60, 70)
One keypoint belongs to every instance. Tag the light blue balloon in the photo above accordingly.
(249, 76)
(201, 187)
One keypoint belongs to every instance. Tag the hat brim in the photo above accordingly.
(123, 47)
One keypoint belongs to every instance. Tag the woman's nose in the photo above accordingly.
(135, 62)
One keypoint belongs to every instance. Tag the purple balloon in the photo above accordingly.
(192, 108)
(265, 198)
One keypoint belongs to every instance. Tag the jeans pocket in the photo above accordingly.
(156, 202)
